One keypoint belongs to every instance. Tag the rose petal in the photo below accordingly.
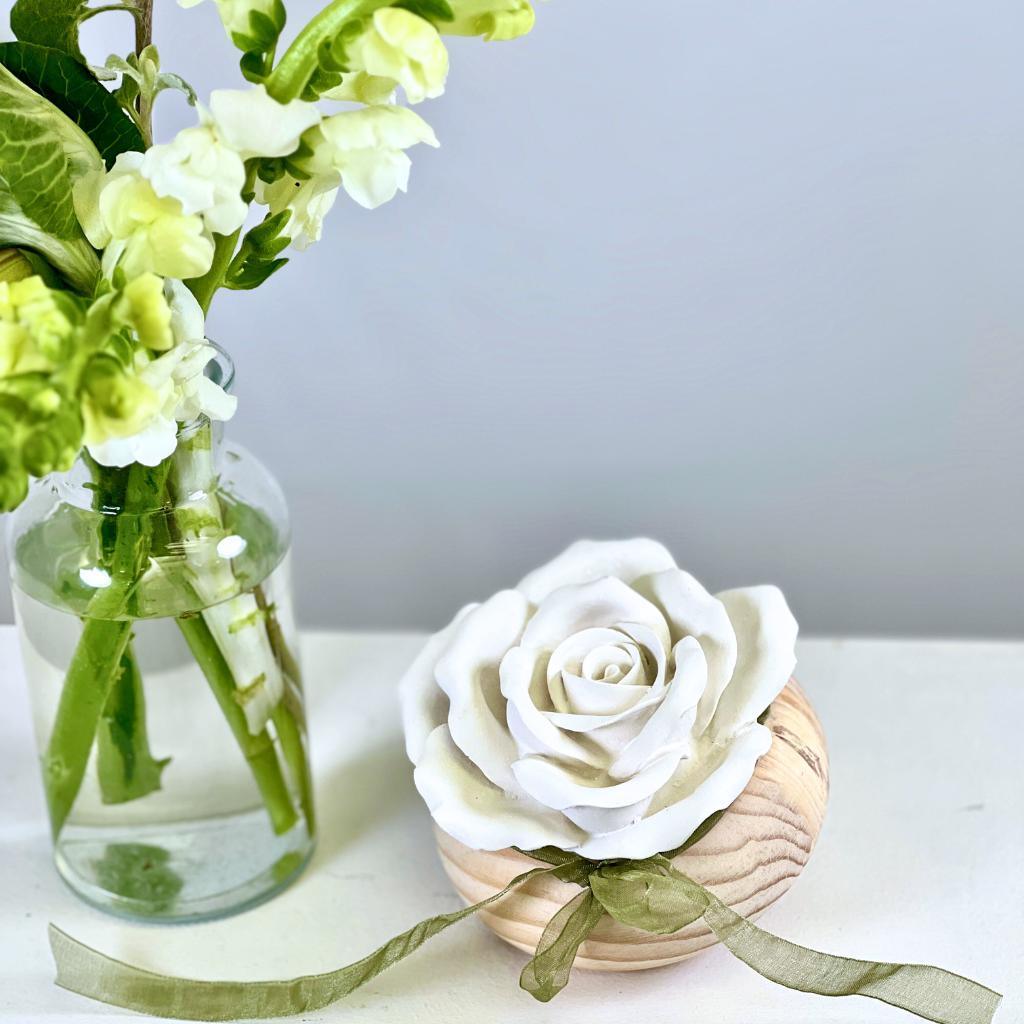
(467, 806)
(670, 727)
(651, 650)
(424, 705)
(598, 820)
(520, 670)
(610, 732)
(602, 602)
(765, 635)
(467, 671)
(588, 560)
(558, 786)
(691, 611)
(703, 785)
(593, 723)
(587, 697)
(569, 656)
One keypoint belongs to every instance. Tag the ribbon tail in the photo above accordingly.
(87, 972)
(547, 972)
(929, 992)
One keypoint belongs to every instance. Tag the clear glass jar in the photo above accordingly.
(155, 617)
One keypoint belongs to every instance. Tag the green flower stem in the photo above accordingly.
(288, 719)
(143, 494)
(205, 287)
(125, 765)
(259, 749)
(87, 684)
(293, 748)
(300, 60)
(240, 647)
(97, 661)
(143, 11)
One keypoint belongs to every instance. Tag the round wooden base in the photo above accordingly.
(749, 859)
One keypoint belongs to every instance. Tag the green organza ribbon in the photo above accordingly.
(647, 894)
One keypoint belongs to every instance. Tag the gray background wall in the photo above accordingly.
(742, 276)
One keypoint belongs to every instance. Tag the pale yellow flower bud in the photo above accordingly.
(492, 19)
(404, 47)
(142, 306)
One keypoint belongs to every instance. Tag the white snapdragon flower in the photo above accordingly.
(253, 123)
(156, 212)
(143, 231)
(404, 47)
(202, 173)
(366, 147)
(309, 202)
(183, 390)
(203, 167)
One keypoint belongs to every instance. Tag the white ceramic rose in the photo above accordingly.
(607, 705)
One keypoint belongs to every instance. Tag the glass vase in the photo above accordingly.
(154, 611)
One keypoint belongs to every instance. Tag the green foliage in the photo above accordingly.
(33, 161)
(141, 78)
(259, 254)
(65, 368)
(125, 765)
(332, 60)
(73, 89)
(13, 265)
(42, 154)
(40, 432)
(52, 23)
(40, 426)
(259, 41)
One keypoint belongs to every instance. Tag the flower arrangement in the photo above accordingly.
(116, 246)
(112, 248)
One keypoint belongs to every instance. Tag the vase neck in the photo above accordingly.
(189, 473)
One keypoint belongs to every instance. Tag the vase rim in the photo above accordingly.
(221, 370)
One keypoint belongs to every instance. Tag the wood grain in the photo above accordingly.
(749, 859)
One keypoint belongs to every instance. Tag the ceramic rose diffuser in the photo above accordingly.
(621, 772)
(610, 707)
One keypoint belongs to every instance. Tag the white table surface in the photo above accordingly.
(921, 857)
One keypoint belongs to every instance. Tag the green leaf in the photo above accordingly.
(258, 255)
(73, 89)
(253, 274)
(51, 23)
(259, 38)
(141, 76)
(43, 154)
(125, 765)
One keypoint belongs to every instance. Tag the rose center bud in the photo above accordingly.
(608, 664)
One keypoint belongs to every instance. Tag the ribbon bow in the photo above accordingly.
(647, 894)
